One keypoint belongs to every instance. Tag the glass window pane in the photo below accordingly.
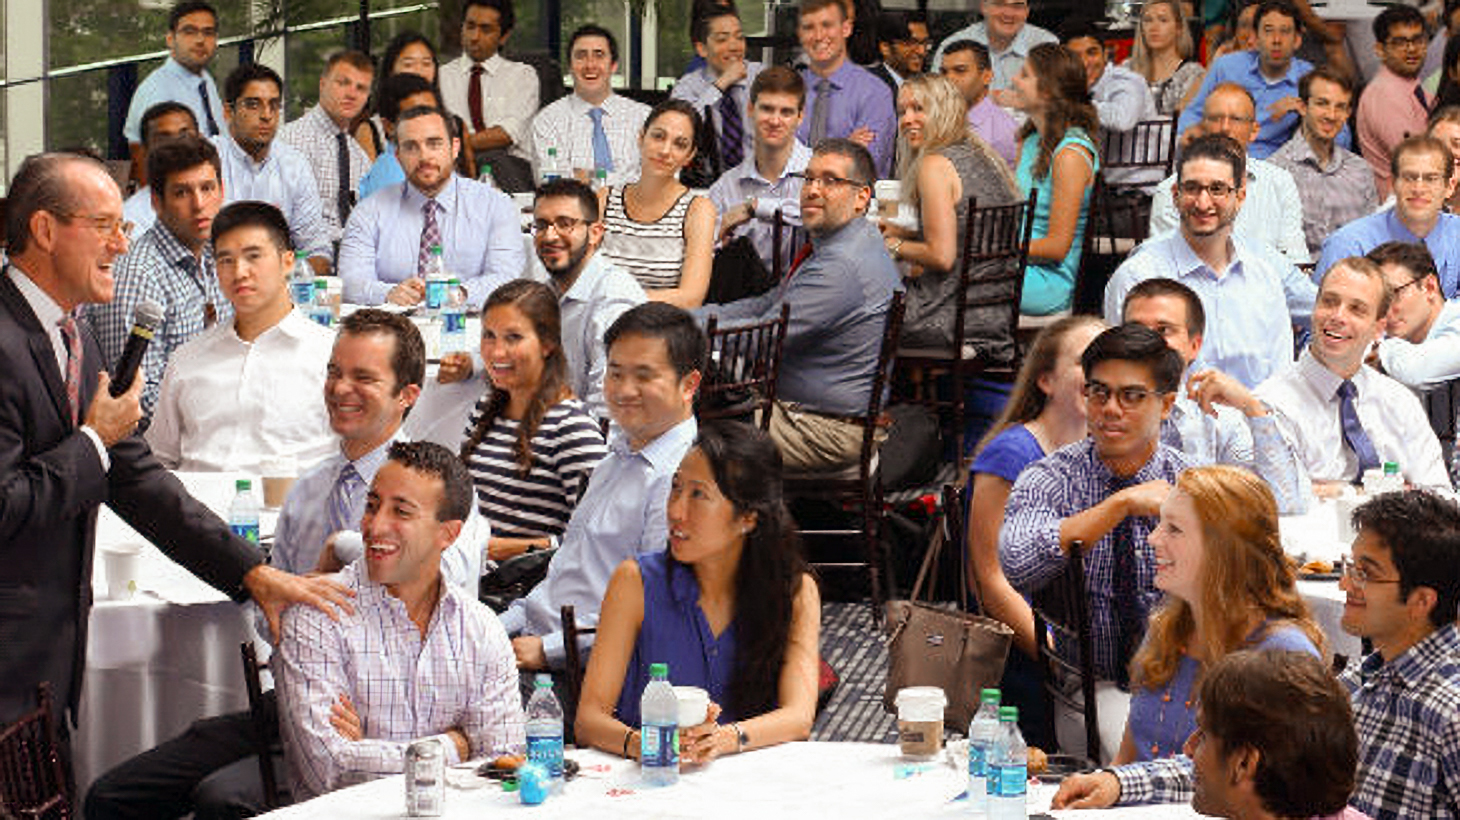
(610, 14)
(71, 106)
(306, 53)
(89, 31)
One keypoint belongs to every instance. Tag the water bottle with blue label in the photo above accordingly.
(982, 732)
(659, 729)
(453, 318)
(320, 309)
(243, 513)
(1008, 779)
(301, 284)
(435, 277)
(545, 729)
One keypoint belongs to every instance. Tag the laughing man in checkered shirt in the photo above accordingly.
(1402, 590)
(418, 659)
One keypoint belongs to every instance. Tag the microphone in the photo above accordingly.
(144, 323)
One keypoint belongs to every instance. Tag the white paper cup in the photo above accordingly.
(123, 566)
(920, 720)
(694, 705)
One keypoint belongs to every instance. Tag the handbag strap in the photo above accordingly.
(930, 559)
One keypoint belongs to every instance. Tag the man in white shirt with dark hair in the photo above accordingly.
(494, 96)
(592, 128)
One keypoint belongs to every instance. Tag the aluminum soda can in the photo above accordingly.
(425, 778)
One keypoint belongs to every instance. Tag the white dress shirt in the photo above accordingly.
(481, 240)
(1304, 396)
(509, 96)
(1271, 214)
(1434, 361)
(227, 405)
(284, 180)
(405, 685)
(566, 126)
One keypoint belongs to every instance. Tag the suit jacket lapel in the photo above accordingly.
(40, 345)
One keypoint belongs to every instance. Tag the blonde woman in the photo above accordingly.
(1164, 54)
(942, 163)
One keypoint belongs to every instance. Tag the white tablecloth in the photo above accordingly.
(163, 658)
(1315, 536)
(796, 780)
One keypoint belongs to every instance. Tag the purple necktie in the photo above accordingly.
(1353, 432)
(430, 235)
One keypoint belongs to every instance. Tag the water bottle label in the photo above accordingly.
(659, 746)
(1012, 780)
(323, 317)
(435, 293)
(547, 750)
(978, 761)
(302, 292)
(248, 532)
(453, 321)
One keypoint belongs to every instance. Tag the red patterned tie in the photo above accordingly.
(474, 99)
(430, 235)
(73, 365)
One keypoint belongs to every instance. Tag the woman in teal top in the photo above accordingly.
(1058, 160)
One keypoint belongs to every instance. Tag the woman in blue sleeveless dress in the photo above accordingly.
(730, 607)
(1058, 160)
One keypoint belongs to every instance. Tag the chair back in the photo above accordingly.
(881, 378)
(743, 365)
(1062, 611)
(32, 782)
(1441, 404)
(573, 675)
(995, 254)
(263, 732)
(1151, 144)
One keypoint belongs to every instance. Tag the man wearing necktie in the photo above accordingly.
(1393, 105)
(1097, 501)
(722, 86)
(1340, 416)
(323, 135)
(192, 42)
(494, 96)
(845, 99)
(593, 128)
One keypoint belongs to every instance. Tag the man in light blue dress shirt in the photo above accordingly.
(724, 80)
(1251, 295)
(259, 167)
(655, 356)
(476, 225)
(1006, 32)
(192, 42)
(855, 104)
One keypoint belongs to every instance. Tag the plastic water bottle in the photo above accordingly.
(545, 729)
(301, 285)
(485, 177)
(243, 513)
(551, 169)
(435, 276)
(319, 306)
(981, 734)
(453, 318)
(1008, 770)
(659, 729)
(1393, 480)
(600, 179)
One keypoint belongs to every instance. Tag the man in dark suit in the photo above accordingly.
(67, 446)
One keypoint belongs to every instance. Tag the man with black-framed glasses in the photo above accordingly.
(1251, 295)
(839, 289)
(1102, 495)
(1421, 347)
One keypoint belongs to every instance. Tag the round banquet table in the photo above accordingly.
(1315, 536)
(794, 780)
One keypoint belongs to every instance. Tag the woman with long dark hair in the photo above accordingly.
(530, 446)
(656, 229)
(1058, 160)
(730, 606)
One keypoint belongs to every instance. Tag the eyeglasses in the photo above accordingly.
(1431, 179)
(255, 104)
(1400, 289)
(1007, 4)
(1218, 190)
(811, 181)
(1128, 397)
(1358, 576)
(1220, 119)
(1417, 41)
(561, 224)
(107, 227)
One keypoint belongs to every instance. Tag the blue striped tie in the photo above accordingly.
(732, 132)
(342, 498)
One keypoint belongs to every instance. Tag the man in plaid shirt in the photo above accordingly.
(418, 659)
(1403, 584)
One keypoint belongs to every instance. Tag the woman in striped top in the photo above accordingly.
(656, 229)
(530, 445)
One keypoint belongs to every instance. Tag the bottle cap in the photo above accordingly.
(1391, 468)
(990, 696)
(543, 681)
(1008, 714)
(453, 281)
(435, 250)
(243, 485)
(659, 670)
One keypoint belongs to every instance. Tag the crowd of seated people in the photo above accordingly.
(1233, 382)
